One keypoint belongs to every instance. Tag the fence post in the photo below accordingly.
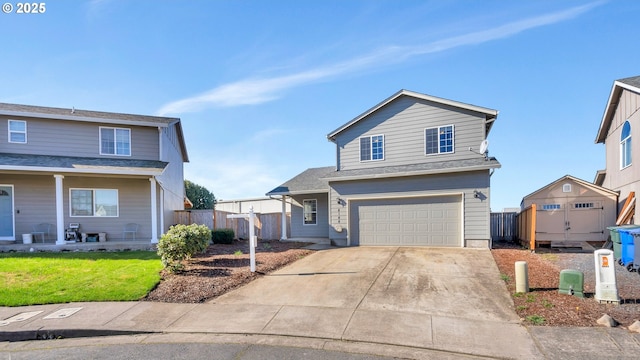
(532, 241)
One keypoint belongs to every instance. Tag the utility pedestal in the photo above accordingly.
(606, 287)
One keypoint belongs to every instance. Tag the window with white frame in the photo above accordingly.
(115, 141)
(586, 205)
(625, 145)
(18, 131)
(566, 188)
(551, 207)
(439, 140)
(93, 202)
(310, 211)
(372, 148)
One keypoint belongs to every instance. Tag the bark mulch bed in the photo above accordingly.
(543, 305)
(222, 268)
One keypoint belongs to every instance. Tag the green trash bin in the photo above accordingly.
(617, 241)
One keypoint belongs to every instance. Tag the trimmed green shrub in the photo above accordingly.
(222, 236)
(182, 242)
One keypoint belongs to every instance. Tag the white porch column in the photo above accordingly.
(60, 240)
(154, 212)
(284, 218)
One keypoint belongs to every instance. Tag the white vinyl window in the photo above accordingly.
(372, 148)
(439, 140)
(625, 145)
(115, 141)
(310, 212)
(93, 202)
(551, 207)
(17, 131)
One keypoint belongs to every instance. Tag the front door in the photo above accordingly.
(6, 213)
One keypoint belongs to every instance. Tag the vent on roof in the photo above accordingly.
(566, 188)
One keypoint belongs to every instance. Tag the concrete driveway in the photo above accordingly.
(438, 298)
(437, 281)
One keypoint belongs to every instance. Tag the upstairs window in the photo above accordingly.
(372, 148)
(17, 131)
(115, 141)
(625, 145)
(439, 140)
(310, 211)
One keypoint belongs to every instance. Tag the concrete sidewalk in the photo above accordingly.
(355, 300)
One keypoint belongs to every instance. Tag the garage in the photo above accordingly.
(414, 221)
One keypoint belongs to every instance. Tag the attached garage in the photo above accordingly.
(402, 221)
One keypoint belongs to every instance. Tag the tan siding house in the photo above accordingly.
(619, 131)
(404, 175)
(98, 169)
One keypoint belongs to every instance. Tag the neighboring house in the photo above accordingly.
(101, 170)
(408, 172)
(571, 209)
(620, 133)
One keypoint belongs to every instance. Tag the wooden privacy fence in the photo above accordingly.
(188, 217)
(527, 227)
(503, 226)
(267, 226)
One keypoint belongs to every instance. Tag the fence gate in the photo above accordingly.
(503, 226)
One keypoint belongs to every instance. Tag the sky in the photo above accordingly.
(259, 84)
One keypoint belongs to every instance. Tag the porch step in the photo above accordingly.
(339, 242)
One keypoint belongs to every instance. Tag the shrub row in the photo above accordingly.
(222, 236)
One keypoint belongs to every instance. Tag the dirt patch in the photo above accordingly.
(543, 305)
(222, 268)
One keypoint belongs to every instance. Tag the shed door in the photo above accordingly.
(6, 213)
(571, 221)
(425, 221)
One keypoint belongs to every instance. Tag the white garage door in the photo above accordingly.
(426, 221)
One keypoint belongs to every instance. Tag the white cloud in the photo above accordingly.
(260, 90)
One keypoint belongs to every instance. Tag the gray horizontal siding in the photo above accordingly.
(72, 138)
(35, 202)
(298, 229)
(402, 123)
(476, 211)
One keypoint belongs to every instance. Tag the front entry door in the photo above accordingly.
(6, 213)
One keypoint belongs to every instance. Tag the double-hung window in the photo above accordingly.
(310, 211)
(115, 141)
(439, 140)
(625, 145)
(372, 148)
(94, 202)
(18, 131)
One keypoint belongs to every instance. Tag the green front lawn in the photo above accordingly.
(51, 278)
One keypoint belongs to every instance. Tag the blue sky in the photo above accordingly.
(259, 84)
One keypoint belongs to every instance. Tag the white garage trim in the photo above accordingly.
(411, 196)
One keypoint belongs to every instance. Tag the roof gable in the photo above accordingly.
(490, 114)
(594, 187)
(630, 84)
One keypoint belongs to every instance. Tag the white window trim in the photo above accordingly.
(16, 132)
(453, 140)
(566, 188)
(115, 142)
(371, 148)
(622, 142)
(93, 193)
(544, 207)
(303, 222)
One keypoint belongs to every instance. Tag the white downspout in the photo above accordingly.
(161, 210)
(284, 219)
(154, 211)
(59, 211)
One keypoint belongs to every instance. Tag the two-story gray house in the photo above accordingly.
(618, 131)
(408, 171)
(100, 170)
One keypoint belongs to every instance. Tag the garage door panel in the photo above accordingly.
(426, 221)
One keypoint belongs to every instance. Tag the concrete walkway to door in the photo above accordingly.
(444, 299)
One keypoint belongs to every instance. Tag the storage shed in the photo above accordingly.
(570, 209)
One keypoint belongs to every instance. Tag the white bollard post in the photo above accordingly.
(522, 277)
(252, 239)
